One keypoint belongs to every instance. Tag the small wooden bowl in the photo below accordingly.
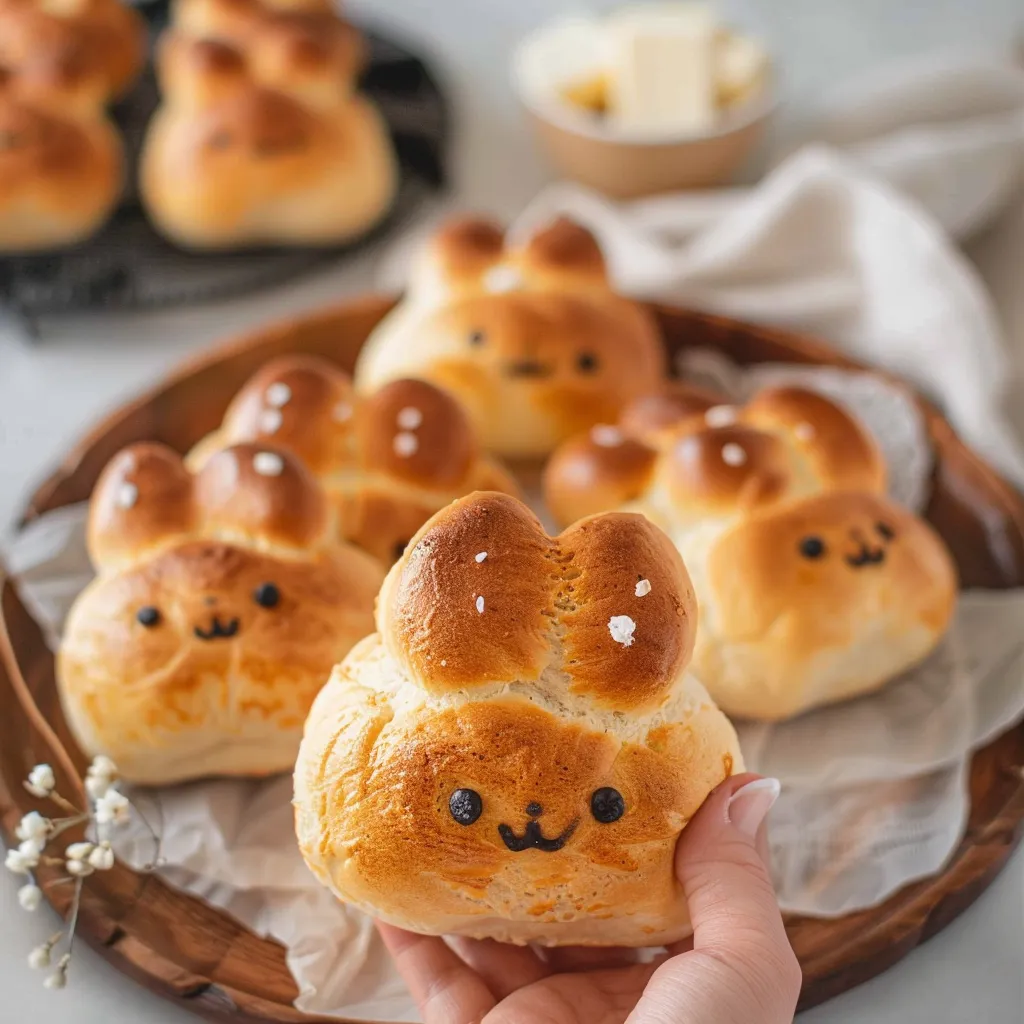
(204, 960)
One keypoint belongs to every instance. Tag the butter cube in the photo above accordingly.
(662, 73)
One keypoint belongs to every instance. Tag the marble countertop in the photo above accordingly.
(53, 389)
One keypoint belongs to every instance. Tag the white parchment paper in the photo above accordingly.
(874, 790)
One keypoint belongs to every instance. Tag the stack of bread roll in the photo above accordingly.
(262, 137)
(61, 159)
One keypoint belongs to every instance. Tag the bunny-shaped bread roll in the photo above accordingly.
(221, 602)
(61, 161)
(388, 461)
(262, 138)
(813, 586)
(530, 338)
(515, 752)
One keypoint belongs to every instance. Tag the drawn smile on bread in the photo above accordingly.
(534, 838)
(218, 630)
(528, 368)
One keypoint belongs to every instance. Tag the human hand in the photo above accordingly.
(738, 968)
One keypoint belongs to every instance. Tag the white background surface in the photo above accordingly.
(51, 391)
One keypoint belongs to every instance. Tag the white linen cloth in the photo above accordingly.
(873, 790)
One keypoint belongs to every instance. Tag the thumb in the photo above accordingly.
(742, 967)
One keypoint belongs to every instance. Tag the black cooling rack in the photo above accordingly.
(128, 265)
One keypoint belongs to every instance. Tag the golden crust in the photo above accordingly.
(261, 137)
(177, 660)
(387, 461)
(483, 594)
(396, 733)
(718, 459)
(529, 338)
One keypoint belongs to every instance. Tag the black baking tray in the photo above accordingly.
(128, 265)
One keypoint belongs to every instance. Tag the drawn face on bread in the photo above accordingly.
(220, 605)
(529, 338)
(515, 753)
(828, 598)
(813, 586)
(386, 460)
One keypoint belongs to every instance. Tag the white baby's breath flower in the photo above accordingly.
(59, 978)
(34, 826)
(32, 849)
(16, 862)
(96, 786)
(102, 857)
(30, 896)
(78, 851)
(103, 767)
(112, 809)
(41, 781)
(78, 868)
(40, 957)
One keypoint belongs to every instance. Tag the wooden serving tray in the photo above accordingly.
(204, 960)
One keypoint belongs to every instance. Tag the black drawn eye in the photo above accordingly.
(586, 362)
(266, 595)
(607, 805)
(812, 547)
(476, 338)
(465, 806)
(148, 616)
(885, 531)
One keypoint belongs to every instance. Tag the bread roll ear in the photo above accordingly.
(483, 595)
(596, 471)
(457, 256)
(143, 498)
(565, 249)
(198, 73)
(416, 433)
(262, 497)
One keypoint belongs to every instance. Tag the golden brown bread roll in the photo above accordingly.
(61, 161)
(530, 338)
(813, 586)
(515, 752)
(388, 461)
(262, 137)
(221, 602)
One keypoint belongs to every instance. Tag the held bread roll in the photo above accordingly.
(220, 604)
(262, 138)
(813, 586)
(388, 461)
(515, 752)
(61, 161)
(530, 338)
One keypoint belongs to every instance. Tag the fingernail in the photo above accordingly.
(750, 804)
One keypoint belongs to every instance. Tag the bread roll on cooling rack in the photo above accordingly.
(813, 586)
(61, 161)
(388, 460)
(221, 601)
(528, 336)
(262, 137)
(515, 752)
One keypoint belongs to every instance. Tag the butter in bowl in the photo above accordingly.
(651, 98)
